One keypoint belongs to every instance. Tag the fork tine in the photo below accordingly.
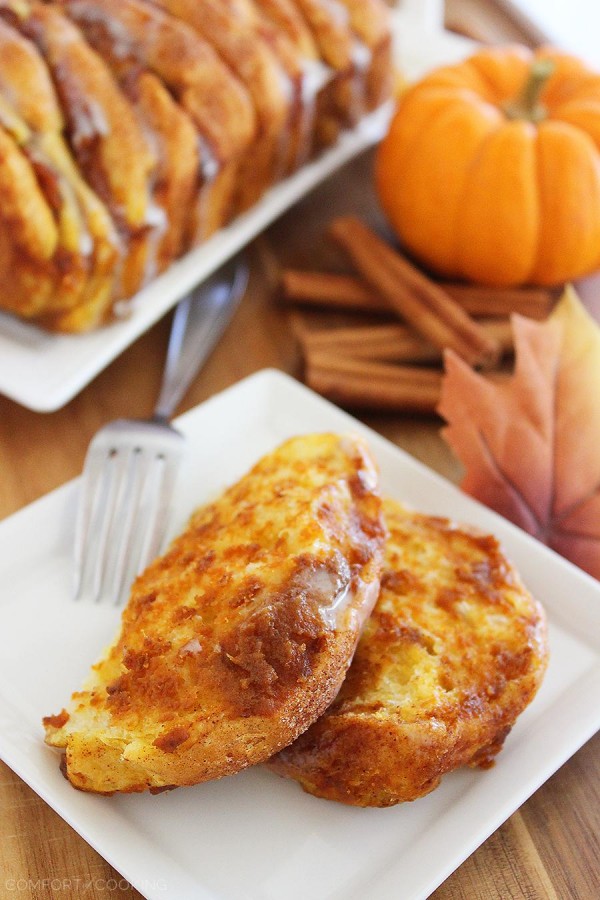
(123, 515)
(91, 484)
(134, 514)
(162, 484)
(115, 473)
(123, 511)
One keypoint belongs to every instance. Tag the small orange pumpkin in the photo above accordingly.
(491, 168)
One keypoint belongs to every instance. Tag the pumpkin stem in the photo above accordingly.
(527, 105)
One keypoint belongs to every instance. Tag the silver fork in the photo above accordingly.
(131, 464)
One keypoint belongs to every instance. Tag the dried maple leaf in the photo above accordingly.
(531, 444)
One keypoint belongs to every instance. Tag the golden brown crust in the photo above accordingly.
(239, 636)
(106, 138)
(453, 652)
(330, 28)
(75, 222)
(288, 32)
(175, 140)
(233, 29)
(127, 31)
(75, 278)
(25, 82)
(370, 21)
(287, 17)
(23, 204)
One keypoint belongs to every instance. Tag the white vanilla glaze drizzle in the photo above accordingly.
(315, 76)
(209, 168)
(362, 57)
(88, 121)
(367, 472)
(338, 12)
(156, 221)
(192, 648)
(331, 589)
(332, 612)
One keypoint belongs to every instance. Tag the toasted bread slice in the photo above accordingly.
(28, 234)
(288, 19)
(355, 39)
(238, 638)
(232, 28)
(329, 26)
(286, 28)
(175, 140)
(131, 31)
(112, 152)
(454, 651)
(348, 43)
(371, 23)
(80, 272)
(304, 76)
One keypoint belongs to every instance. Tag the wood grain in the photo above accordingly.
(548, 850)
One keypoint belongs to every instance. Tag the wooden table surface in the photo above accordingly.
(550, 847)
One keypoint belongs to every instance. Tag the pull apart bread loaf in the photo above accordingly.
(453, 652)
(239, 637)
(132, 130)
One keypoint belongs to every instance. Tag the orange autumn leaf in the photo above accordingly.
(531, 444)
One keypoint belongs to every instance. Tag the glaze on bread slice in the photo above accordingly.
(370, 22)
(353, 40)
(127, 32)
(29, 236)
(175, 141)
(232, 27)
(111, 150)
(239, 637)
(64, 270)
(454, 651)
(287, 22)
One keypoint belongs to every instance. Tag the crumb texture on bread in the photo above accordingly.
(238, 638)
(453, 652)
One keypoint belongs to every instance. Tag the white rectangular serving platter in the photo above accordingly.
(255, 836)
(44, 371)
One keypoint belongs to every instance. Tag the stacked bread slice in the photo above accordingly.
(239, 637)
(131, 130)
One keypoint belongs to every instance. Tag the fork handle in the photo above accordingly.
(173, 385)
(198, 323)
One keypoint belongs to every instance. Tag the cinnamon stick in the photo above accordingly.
(535, 303)
(424, 305)
(348, 292)
(465, 27)
(380, 386)
(388, 342)
(332, 291)
(376, 342)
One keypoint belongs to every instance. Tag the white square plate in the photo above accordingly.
(44, 371)
(255, 836)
